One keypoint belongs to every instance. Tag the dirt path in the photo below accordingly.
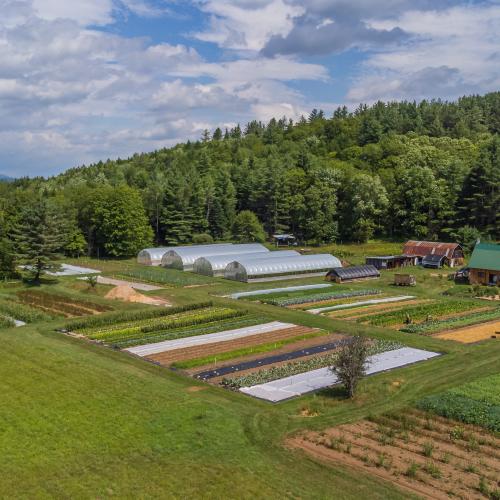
(138, 286)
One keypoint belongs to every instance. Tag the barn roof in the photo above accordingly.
(355, 272)
(485, 256)
(423, 248)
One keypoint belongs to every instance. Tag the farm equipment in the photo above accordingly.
(405, 280)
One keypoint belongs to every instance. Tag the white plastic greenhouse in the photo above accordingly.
(152, 256)
(280, 268)
(183, 258)
(215, 265)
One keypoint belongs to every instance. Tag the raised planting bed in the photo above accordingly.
(191, 358)
(211, 338)
(420, 312)
(318, 297)
(428, 456)
(295, 367)
(61, 305)
(439, 325)
(275, 292)
(366, 311)
(361, 303)
(475, 403)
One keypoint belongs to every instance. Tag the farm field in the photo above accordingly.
(117, 425)
(428, 455)
(474, 333)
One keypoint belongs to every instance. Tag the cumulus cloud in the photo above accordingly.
(452, 52)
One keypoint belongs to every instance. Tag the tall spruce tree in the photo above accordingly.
(38, 238)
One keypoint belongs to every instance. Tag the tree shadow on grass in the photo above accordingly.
(336, 392)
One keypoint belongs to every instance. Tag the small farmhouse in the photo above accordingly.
(452, 253)
(484, 265)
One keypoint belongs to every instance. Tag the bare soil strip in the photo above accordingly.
(429, 455)
(169, 357)
(474, 333)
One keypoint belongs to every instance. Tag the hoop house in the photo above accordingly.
(152, 256)
(183, 258)
(280, 268)
(215, 265)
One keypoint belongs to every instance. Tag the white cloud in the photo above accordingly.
(451, 52)
(247, 25)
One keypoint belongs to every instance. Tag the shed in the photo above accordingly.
(215, 265)
(284, 240)
(152, 256)
(391, 261)
(453, 252)
(273, 268)
(184, 258)
(484, 265)
(352, 273)
(434, 261)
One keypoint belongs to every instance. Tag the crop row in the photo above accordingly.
(415, 313)
(178, 333)
(22, 312)
(199, 318)
(484, 389)
(60, 303)
(319, 297)
(437, 325)
(463, 409)
(119, 318)
(296, 367)
(164, 276)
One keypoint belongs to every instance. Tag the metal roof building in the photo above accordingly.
(270, 267)
(452, 251)
(152, 256)
(485, 264)
(183, 258)
(343, 274)
(215, 265)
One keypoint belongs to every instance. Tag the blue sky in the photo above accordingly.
(87, 80)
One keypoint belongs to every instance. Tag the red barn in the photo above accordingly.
(452, 253)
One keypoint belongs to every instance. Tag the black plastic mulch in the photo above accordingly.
(269, 360)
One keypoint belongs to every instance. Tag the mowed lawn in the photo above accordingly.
(82, 421)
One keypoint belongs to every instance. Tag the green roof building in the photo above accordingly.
(484, 264)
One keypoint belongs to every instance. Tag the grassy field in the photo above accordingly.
(80, 420)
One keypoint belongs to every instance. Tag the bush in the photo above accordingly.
(203, 238)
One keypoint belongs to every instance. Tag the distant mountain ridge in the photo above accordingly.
(5, 178)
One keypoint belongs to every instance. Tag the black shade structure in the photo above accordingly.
(343, 274)
(434, 261)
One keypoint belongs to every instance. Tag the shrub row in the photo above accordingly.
(126, 317)
(22, 312)
(418, 312)
(6, 322)
(296, 367)
(204, 329)
(436, 325)
(319, 297)
(463, 409)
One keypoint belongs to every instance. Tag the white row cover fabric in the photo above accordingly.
(245, 269)
(266, 291)
(296, 385)
(70, 270)
(209, 338)
(370, 302)
(183, 258)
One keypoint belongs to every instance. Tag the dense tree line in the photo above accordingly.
(401, 169)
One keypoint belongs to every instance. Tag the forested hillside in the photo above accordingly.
(401, 169)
